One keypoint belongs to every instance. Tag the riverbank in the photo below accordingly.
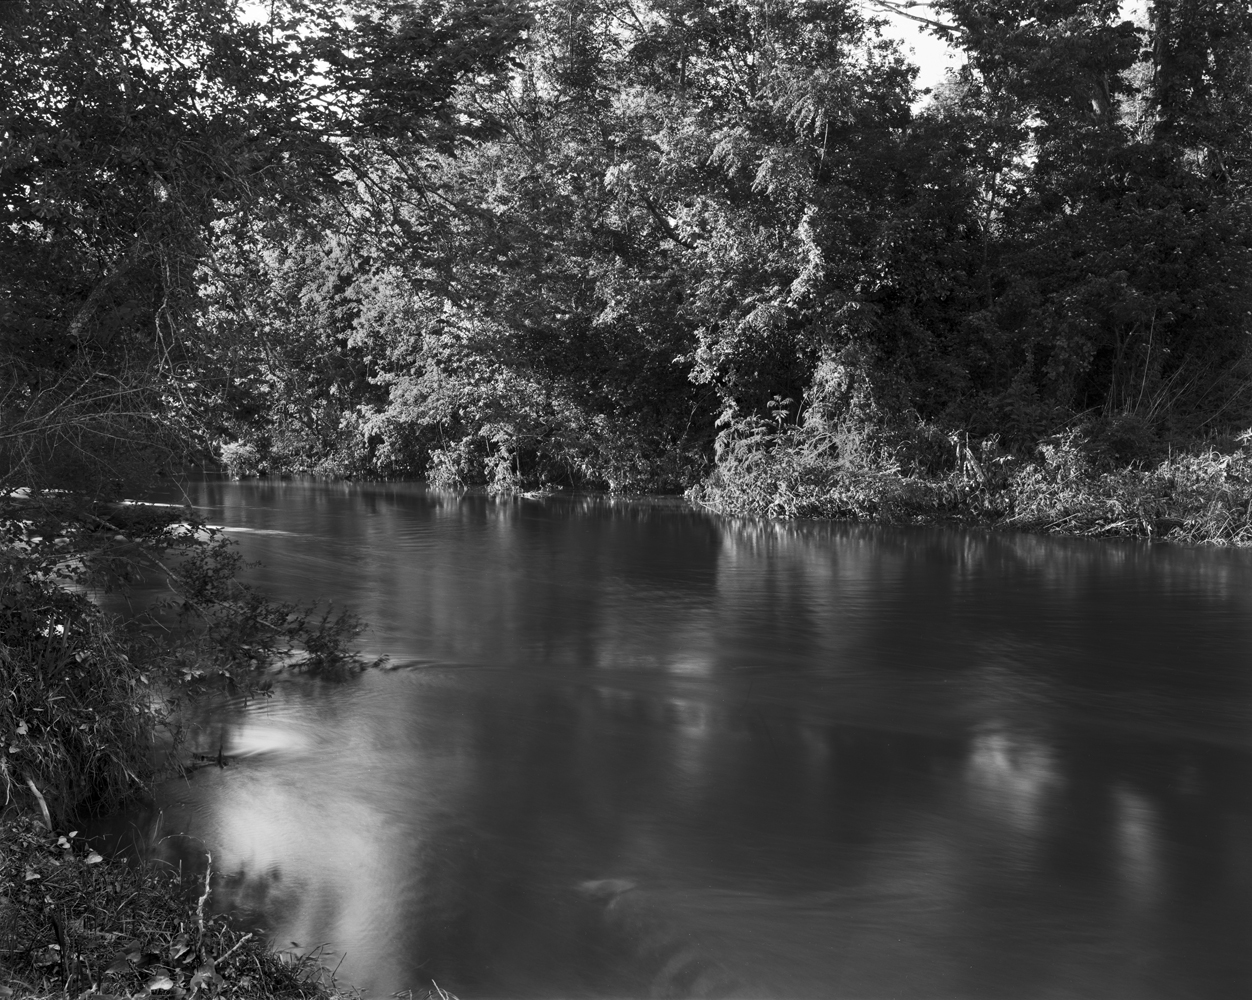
(1202, 497)
(74, 923)
(89, 721)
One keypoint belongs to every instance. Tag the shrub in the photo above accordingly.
(242, 460)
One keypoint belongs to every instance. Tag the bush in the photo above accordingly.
(242, 460)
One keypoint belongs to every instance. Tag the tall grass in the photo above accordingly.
(78, 718)
(1202, 496)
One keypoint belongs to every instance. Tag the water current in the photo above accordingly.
(629, 748)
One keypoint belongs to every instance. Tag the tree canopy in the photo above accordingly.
(595, 241)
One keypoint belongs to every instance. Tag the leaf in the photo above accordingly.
(206, 974)
(120, 966)
(21, 729)
(30, 875)
(159, 983)
(94, 859)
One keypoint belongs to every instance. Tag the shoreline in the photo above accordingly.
(74, 923)
(1201, 498)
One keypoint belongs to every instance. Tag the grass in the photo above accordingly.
(1201, 497)
(75, 924)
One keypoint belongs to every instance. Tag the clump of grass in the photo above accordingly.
(75, 924)
(1202, 496)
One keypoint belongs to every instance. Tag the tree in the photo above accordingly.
(125, 148)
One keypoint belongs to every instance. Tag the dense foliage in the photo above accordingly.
(599, 243)
(135, 138)
(665, 220)
(724, 245)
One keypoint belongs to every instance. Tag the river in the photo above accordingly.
(628, 748)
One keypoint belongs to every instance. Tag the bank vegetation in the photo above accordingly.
(638, 245)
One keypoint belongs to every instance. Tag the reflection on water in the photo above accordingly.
(1011, 777)
(634, 750)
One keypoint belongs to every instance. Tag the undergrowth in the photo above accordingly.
(85, 695)
(1202, 496)
(76, 924)
(86, 691)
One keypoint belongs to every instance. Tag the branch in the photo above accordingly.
(666, 227)
(901, 9)
(93, 299)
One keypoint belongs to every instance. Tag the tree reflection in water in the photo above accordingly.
(828, 759)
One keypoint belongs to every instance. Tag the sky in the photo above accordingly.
(933, 56)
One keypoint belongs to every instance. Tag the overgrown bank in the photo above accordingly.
(1198, 497)
(76, 924)
(89, 719)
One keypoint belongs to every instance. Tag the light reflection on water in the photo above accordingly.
(788, 760)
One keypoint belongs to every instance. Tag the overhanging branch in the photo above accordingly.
(902, 8)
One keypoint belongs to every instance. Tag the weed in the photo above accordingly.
(1201, 496)
(74, 923)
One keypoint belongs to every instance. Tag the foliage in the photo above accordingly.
(73, 922)
(131, 135)
(88, 690)
(1202, 497)
(78, 716)
(555, 243)
(666, 215)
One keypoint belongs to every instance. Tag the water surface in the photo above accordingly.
(632, 749)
